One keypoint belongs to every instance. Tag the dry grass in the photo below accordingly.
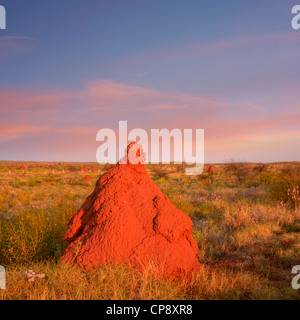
(246, 233)
(64, 282)
(244, 215)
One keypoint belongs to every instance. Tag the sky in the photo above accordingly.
(70, 68)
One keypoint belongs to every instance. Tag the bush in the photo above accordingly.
(181, 203)
(159, 173)
(32, 235)
(244, 171)
(290, 227)
(280, 186)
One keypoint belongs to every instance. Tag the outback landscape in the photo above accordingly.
(188, 80)
(246, 223)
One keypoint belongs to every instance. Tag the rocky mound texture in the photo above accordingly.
(128, 219)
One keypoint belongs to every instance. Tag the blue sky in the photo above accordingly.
(229, 67)
(85, 38)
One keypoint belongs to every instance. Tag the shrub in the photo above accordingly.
(159, 173)
(290, 227)
(244, 171)
(181, 203)
(32, 234)
(280, 186)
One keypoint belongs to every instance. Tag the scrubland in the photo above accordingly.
(246, 222)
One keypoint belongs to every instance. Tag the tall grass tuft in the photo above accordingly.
(33, 234)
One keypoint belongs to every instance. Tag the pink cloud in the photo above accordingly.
(66, 121)
(114, 100)
(13, 131)
(13, 45)
(21, 100)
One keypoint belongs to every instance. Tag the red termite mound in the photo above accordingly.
(210, 169)
(127, 219)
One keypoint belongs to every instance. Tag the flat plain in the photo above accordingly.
(246, 223)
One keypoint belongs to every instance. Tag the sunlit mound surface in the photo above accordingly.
(128, 219)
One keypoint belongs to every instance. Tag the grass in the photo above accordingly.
(247, 233)
(122, 282)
